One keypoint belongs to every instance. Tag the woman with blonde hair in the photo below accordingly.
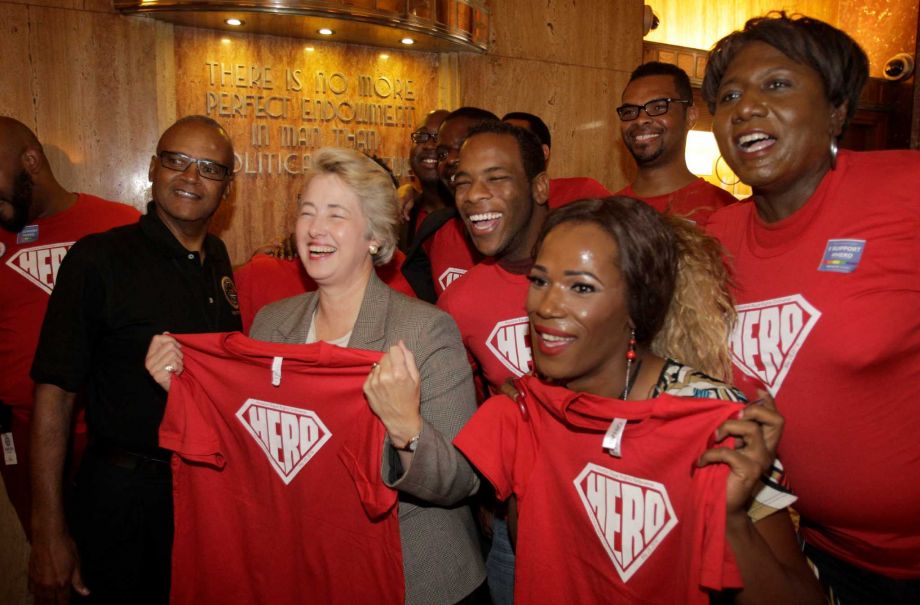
(422, 389)
(612, 447)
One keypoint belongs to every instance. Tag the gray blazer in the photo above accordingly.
(440, 543)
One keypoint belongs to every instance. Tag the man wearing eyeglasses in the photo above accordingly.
(115, 291)
(423, 158)
(442, 251)
(656, 113)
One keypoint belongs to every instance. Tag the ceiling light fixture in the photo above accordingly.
(234, 22)
(325, 31)
(408, 41)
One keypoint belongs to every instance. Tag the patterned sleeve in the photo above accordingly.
(682, 381)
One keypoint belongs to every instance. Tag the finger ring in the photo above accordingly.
(170, 368)
(374, 366)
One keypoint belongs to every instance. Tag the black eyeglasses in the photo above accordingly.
(420, 137)
(655, 107)
(207, 169)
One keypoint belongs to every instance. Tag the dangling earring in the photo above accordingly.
(630, 357)
(373, 249)
(833, 153)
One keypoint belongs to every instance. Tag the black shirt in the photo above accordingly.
(116, 290)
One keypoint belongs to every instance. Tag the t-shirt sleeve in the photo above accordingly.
(73, 320)
(719, 570)
(498, 441)
(186, 428)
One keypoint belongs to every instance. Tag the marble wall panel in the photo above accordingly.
(884, 28)
(94, 99)
(577, 103)
(595, 33)
(223, 76)
(16, 77)
(71, 4)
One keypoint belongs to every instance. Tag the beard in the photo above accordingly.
(646, 157)
(643, 154)
(20, 201)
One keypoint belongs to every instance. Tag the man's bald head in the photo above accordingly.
(198, 123)
(16, 138)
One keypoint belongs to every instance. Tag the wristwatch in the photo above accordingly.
(410, 446)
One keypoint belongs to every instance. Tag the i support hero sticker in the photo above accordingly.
(842, 255)
(28, 234)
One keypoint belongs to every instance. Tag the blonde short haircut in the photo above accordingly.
(372, 185)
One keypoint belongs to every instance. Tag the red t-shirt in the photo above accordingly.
(828, 304)
(646, 527)
(697, 201)
(29, 262)
(276, 479)
(265, 279)
(451, 254)
(488, 304)
(564, 191)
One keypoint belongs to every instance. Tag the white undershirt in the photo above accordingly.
(339, 342)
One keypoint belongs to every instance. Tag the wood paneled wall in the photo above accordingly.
(700, 23)
(568, 62)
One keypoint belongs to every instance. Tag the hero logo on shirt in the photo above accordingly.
(40, 264)
(769, 334)
(631, 516)
(450, 275)
(508, 342)
(288, 436)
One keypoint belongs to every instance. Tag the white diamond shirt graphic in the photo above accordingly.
(508, 342)
(449, 276)
(289, 436)
(631, 516)
(40, 264)
(769, 334)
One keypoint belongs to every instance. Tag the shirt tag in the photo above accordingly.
(276, 371)
(28, 234)
(842, 255)
(613, 438)
(9, 450)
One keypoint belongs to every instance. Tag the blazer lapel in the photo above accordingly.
(293, 329)
(370, 328)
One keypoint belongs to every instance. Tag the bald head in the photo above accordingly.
(197, 126)
(16, 138)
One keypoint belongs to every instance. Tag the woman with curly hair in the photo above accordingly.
(615, 450)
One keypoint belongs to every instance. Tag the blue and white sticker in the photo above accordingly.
(28, 234)
(842, 255)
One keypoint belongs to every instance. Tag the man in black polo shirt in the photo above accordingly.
(115, 291)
